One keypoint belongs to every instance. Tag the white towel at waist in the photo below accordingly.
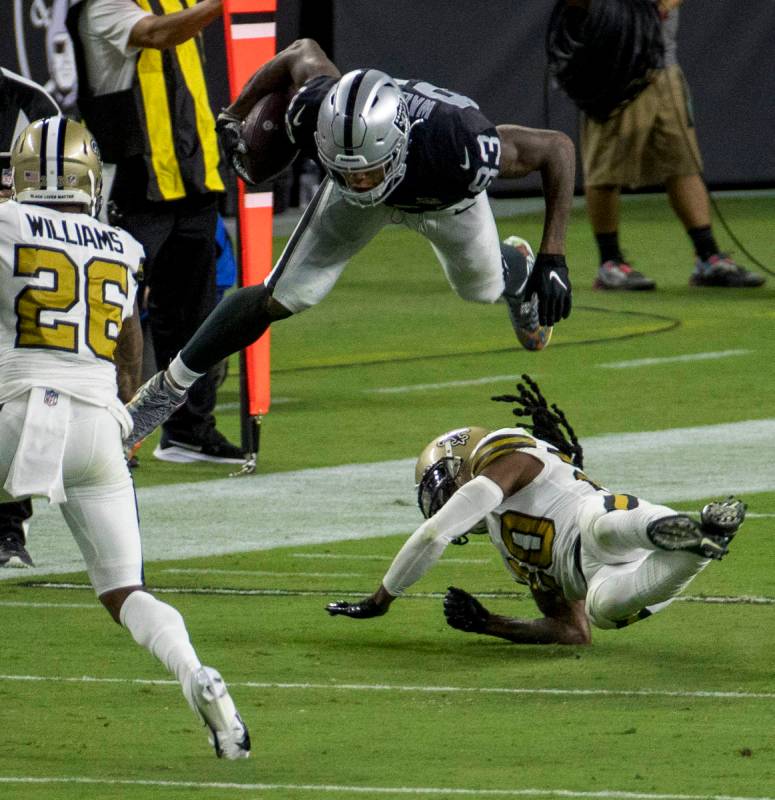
(36, 468)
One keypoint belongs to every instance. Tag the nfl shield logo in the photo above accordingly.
(51, 397)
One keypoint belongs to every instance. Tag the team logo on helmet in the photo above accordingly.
(456, 439)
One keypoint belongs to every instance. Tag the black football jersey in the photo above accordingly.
(454, 150)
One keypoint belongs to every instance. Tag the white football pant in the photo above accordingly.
(100, 507)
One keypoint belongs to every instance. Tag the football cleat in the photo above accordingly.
(680, 532)
(153, 403)
(207, 695)
(532, 335)
(723, 517)
(524, 314)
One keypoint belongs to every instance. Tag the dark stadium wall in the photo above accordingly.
(492, 50)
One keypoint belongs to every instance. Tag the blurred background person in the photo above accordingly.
(618, 61)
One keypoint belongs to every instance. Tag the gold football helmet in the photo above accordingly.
(56, 160)
(443, 467)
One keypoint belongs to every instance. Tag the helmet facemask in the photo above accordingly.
(443, 467)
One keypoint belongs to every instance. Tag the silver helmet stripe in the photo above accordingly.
(348, 121)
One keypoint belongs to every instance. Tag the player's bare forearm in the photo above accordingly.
(129, 357)
(553, 155)
(160, 32)
(290, 68)
(546, 630)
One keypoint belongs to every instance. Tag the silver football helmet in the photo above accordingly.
(444, 466)
(56, 160)
(363, 126)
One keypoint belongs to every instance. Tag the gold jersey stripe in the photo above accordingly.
(498, 446)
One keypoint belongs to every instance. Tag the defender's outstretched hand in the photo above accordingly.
(464, 612)
(549, 280)
(363, 609)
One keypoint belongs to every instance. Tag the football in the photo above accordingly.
(270, 150)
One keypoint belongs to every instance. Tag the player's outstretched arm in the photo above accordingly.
(553, 155)
(563, 623)
(289, 69)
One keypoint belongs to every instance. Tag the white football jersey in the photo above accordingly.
(535, 530)
(67, 282)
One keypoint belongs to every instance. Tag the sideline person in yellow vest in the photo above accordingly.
(142, 92)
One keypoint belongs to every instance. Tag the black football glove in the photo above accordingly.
(464, 612)
(229, 130)
(363, 609)
(549, 280)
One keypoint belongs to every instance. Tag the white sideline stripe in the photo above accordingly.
(276, 401)
(354, 557)
(421, 387)
(387, 687)
(649, 362)
(193, 571)
(608, 794)
(358, 501)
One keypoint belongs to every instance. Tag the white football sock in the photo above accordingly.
(161, 630)
(180, 374)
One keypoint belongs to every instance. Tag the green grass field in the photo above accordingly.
(678, 706)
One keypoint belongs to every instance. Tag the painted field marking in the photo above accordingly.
(23, 604)
(389, 558)
(423, 791)
(650, 362)
(421, 387)
(405, 689)
(745, 600)
(193, 571)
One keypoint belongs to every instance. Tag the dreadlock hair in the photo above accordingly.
(603, 56)
(549, 424)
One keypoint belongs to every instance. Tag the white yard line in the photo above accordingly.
(404, 791)
(743, 600)
(355, 557)
(421, 689)
(24, 604)
(652, 362)
(422, 387)
(263, 572)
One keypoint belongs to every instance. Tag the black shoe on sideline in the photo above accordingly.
(214, 447)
